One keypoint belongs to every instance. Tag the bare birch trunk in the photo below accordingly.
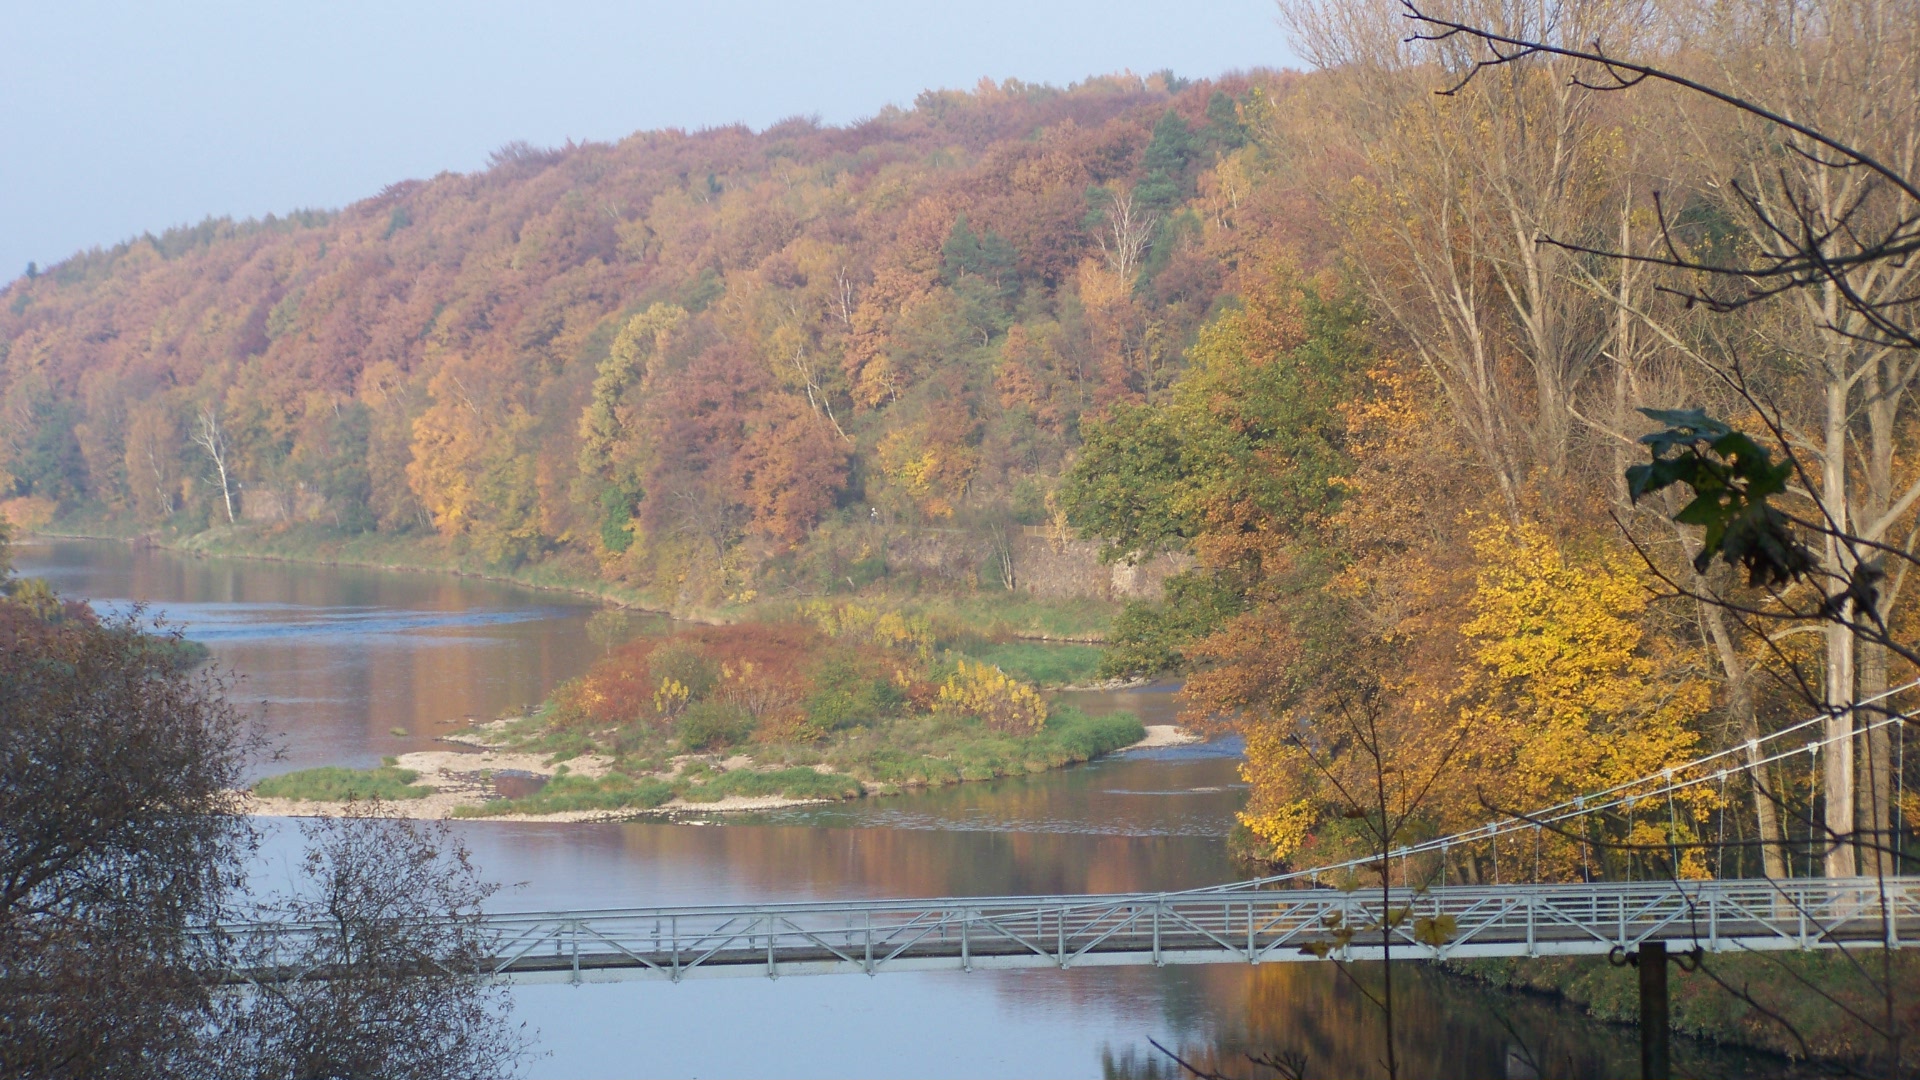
(1837, 768)
(1876, 746)
(213, 440)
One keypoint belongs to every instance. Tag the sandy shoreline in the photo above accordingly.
(440, 806)
(1159, 735)
(465, 779)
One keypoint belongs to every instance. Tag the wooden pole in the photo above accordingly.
(1652, 961)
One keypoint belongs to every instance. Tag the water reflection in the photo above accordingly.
(1448, 1028)
(648, 863)
(337, 660)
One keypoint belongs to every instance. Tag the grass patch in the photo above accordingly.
(331, 783)
(1039, 662)
(321, 544)
(1084, 737)
(1016, 615)
(568, 793)
(989, 615)
(616, 791)
(793, 783)
(931, 751)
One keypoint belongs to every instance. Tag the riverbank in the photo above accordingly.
(990, 614)
(363, 551)
(1756, 1001)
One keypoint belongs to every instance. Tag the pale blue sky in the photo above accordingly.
(117, 118)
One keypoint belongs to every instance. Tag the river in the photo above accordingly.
(348, 665)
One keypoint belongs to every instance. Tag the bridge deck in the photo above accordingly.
(1254, 927)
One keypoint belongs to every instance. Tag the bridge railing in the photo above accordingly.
(872, 936)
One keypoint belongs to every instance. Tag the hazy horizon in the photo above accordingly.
(117, 122)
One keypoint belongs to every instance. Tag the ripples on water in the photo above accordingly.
(213, 623)
(339, 658)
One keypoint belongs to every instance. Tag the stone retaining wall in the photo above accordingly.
(1044, 564)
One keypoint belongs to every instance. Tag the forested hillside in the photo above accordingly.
(1371, 358)
(1427, 583)
(672, 361)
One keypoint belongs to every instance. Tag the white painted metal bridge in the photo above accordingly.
(1199, 927)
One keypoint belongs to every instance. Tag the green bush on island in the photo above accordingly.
(331, 783)
(938, 752)
(1081, 737)
(182, 653)
(713, 725)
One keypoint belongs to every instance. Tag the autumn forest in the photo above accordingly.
(676, 357)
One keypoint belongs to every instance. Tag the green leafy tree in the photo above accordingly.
(1240, 468)
(1224, 125)
(1132, 482)
(984, 254)
(1165, 163)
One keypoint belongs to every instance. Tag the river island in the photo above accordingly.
(839, 701)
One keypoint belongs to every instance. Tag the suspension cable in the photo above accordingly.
(1621, 796)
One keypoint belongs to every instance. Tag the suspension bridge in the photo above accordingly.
(1402, 903)
(873, 937)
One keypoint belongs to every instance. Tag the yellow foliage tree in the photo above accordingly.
(866, 625)
(1568, 683)
(1281, 812)
(474, 471)
(447, 438)
(629, 360)
(1564, 685)
(934, 471)
(671, 698)
(1569, 692)
(1001, 701)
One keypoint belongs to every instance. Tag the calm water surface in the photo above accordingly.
(350, 665)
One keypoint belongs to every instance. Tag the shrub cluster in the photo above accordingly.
(999, 700)
(711, 688)
(867, 694)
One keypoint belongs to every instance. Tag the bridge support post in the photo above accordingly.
(1652, 961)
(966, 946)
